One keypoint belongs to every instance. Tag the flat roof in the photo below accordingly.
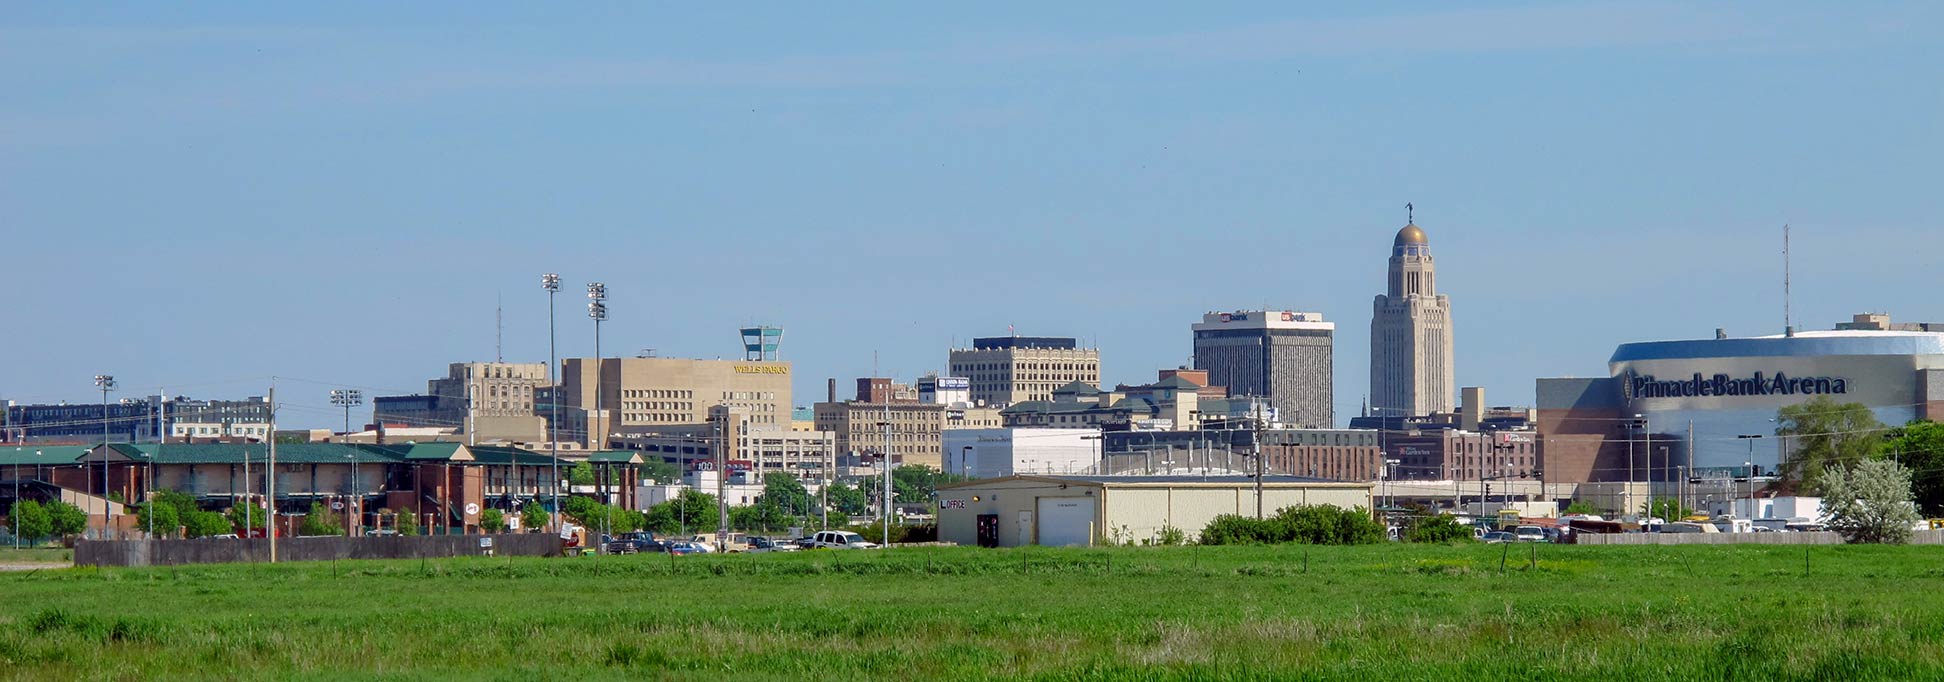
(1803, 344)
(1273, 479)
(999, 342)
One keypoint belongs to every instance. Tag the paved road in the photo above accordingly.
(32, 565)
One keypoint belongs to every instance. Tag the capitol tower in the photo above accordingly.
(1410, 334)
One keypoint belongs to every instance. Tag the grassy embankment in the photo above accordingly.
(1392, 612)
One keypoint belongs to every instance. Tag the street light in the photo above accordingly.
(105, 382)
(597, 309)
(551, 282)
(1748, 467)
(347, 398)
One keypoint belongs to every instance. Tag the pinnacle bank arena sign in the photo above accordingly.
(1720, 385)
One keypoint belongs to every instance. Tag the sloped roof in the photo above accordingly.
(493, 454)
(419, 452)
(42, 454)
(1077, 387)
(615, 457)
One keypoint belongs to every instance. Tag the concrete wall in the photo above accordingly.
(1922, 537)
(212, 551)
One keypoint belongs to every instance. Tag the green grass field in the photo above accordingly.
(1393, 612)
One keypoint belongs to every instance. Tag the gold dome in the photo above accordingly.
(1410, 235)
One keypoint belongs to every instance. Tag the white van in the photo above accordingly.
(840, 539)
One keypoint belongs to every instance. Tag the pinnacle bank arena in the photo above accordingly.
(1729, 390)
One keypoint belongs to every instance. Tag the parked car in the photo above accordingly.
(762, 544)
(841, 539)
(1498, 536)
(708, 543)
(1529, 534)
(630, 543)
(806, 542)
(680, 547)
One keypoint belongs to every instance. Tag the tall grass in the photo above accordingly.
(1403, 612)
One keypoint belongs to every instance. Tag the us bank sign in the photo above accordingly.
(1649, 386)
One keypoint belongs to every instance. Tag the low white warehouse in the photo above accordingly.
(1098, 510)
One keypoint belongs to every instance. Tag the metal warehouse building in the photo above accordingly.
(1097, 510)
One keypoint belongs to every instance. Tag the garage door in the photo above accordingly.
(1066, 521)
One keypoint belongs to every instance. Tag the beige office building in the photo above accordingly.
(487, 401)
(1410, 335)
(1014, 369)
(650, 392)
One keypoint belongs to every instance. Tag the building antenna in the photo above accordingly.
(1788, 324)
(499, 327)
(1410, 213)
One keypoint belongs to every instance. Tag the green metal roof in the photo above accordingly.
(1175, 382)
(42, 454)
(614, 457)
(1078, 387)
(490, 454)
(442, 452)
(234, 453)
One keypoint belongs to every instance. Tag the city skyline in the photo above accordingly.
(200, 202)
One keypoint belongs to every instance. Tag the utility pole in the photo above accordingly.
(1258, 458)
(270, 476)
(551, 282)
(105, 382)
(722, 481)
(885, 491)
(823, 491)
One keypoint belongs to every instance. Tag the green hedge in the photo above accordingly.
(1318, 525)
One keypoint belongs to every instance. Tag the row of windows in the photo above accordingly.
(656, 405)
(656, 393)
(748, 395)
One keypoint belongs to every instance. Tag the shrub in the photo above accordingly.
(247, 517)
(1234, 529)
(1170, 536)
(1439, 529)
(202, 524)
(31, 520)
(492, 521)
(1330, 525)
(407, 522)
(534, 517)
(319, 521)
(1318, 525)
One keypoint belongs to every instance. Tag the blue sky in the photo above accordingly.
(199, 199)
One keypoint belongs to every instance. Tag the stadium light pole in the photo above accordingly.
(105, 382)
(347, 398)
(597, 309)
(551, 282)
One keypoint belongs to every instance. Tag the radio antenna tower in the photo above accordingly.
(1788, 324)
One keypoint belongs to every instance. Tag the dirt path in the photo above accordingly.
(31, 565)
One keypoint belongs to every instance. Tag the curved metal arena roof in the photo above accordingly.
(1803, 344)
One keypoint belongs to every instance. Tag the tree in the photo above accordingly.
(31, 520)
(1439, 529)
(319, 521)
(1919, 447)
(787, 493)
(202, 524)
(659, 471)
(534, 517)
(1822, 434)
(407, 521)
(184, 503)
(847, 500)
(1666, 509)
(68, 519)
(1582, 507)
(246, 517)
(581, 474)
(162, 518)
(1871, 502)
(492, 521)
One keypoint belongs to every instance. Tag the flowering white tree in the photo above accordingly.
(1870, 502)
